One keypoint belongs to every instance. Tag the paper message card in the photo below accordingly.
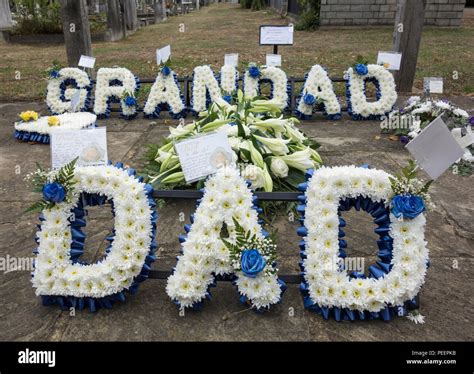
(273, 60)
(435, 148)
(75, 99)
(276, 35)
(391, 60)
(86, 62)
(203, 155)
(231, 59)
(163, 54)
(89, 145)
(433, 85)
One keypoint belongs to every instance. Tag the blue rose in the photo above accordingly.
(309, 99)
(227, 98)
(54, 74)
(130, 101)
(408, 206)
(252, 262)
(361, 69)
(54, 192)
(254, 71)
(165, 71)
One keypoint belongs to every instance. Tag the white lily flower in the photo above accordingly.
(276, 146)
(300, 160)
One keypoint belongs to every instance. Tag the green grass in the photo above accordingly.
(225, 28)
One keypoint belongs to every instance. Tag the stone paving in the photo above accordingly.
(447, 297)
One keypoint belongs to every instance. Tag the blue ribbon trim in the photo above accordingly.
(36, 137)
(77, 221)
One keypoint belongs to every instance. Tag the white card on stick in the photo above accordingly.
(435, 148)
(273, 60)
(231, 59)
(203, 155)
(86, 62)
(163, 54)
(88, 145)
(433, 85)
(276, 35)
(393, 59)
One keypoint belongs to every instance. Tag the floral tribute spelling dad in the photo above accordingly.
(226, 241)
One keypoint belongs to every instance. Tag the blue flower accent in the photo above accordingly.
(165, 70)
(130, 101)
(361, 69)
(254, 71)
(54, 192)
(309, 99)
(252, 262)
(227, 98)
(54, 74)
(408, 206)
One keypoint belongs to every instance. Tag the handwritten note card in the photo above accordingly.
(202, 156)
(89, 145)
(273, 60)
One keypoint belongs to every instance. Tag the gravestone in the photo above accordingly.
(131, 18)
(77, 36)
(5, 20)
(115, 30)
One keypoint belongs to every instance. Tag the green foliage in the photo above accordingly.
(257, 5)
(309, 16)
(64, 176)
(37, 17)
(246, 4)
(407, 181)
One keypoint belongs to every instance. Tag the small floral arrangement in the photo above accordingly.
(360, 66)
(53, 71)
(251, 254)
(410, 195)
(29, 115)
(56, 186)
(406, 122)
(254, 70)
(129, 99)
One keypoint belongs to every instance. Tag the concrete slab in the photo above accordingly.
(446, 297)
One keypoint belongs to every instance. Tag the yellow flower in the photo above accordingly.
(386, 65)
(53, 121)
(29, 115)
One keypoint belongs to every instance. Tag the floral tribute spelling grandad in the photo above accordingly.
(244, 254)
(60, 276)
(269, 148)
(63, 84)
(33, 128)
(397, 206)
